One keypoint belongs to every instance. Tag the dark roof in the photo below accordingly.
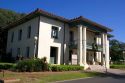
(39, 12)
(33, 14)
(81, 18)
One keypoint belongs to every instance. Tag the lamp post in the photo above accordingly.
(35, 45)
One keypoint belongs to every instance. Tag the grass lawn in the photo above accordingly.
(44, 77)
(117, 66)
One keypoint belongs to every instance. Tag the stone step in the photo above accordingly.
(96, 67)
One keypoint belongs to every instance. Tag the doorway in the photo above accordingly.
(53, 55)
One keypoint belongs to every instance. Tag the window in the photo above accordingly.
(19, 34)
(12, 36)
(54, 33)
(71, 36)
(29, 32)
(27, 52)
(18, 51)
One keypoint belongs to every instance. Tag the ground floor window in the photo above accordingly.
(27, 52)
(70, 55)
(53, 55)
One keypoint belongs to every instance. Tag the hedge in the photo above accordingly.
(36, 65)
(65, 67)
(6, 66)
(32, 65)
(117, 66)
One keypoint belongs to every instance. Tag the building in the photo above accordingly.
(42, 34)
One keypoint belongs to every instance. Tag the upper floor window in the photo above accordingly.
(54, 33)
(20, 34)
(29, 32)
(12, 36)
(71, 36)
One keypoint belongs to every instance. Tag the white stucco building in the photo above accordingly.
(42, 34)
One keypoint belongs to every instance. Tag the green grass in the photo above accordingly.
(44, 77)
(67, 76)
(115, 66)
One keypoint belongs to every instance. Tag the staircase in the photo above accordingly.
(97, 67)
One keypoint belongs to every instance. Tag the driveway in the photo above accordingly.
(113, 76)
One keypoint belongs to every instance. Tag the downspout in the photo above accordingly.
(63, 43)
(38, 36)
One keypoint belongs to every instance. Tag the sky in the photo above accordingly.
(110, 13)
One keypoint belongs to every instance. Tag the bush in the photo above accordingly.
(65, 68)
(32, 65)
(6, 66)
(117, 66)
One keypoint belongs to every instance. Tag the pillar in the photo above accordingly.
(84, 47)
(80, 45)
(107, 52)
(103, 48)
(98, 54)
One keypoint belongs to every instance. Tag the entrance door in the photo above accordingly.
(53, 55)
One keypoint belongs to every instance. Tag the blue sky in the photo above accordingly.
(110, 13)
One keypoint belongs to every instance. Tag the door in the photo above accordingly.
(53, 55)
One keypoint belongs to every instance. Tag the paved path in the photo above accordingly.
(113, 76)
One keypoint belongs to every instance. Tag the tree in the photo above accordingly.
(6, 17)
(116, 50)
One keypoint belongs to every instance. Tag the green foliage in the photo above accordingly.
(6, 66)
(118, 66)
(116, 50)
(65, 67)
(8, 16)
(32, 65)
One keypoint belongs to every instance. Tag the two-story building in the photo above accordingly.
(42, 34)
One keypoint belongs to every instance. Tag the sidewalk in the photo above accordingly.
(113, 71)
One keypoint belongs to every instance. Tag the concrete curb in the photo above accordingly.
(71, 80)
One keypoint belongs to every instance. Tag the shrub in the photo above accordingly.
(65, 67)
(32, 65)
(6, 66)
(117, 66)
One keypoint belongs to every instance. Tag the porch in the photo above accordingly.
(90, 46)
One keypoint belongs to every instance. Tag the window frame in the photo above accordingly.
(18, 51)
(12, 37)
(27, 51)
(29, 32)
(20, 34)
(54, 30)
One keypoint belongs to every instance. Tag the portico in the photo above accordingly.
(92, 48)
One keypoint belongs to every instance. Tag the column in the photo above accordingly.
(107, 51)
(84, 47)
(103, 48)
(98, 41)
(80, 45)
(97, 53)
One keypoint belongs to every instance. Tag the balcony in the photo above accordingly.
(73, 44)
(94, 47)
(89, 46)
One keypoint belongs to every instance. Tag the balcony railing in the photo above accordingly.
(94, 47)
(89, 46)
(73, 44)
